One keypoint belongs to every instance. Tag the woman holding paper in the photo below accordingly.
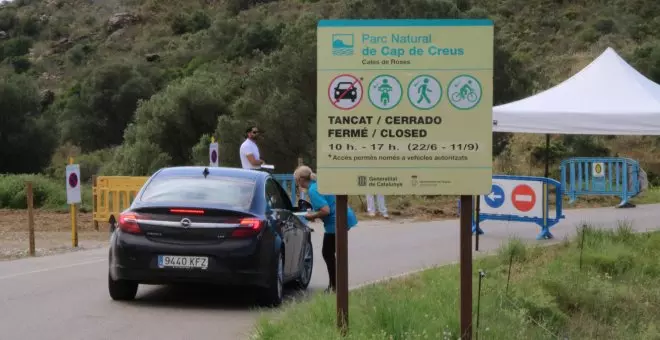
(323, 207)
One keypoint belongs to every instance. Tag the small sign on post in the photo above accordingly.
(404, 107)
(213, 153)
(73, 197)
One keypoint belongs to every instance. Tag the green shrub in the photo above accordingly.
(78, 53)
(589, 35)
(47, 193)
(30, 26)
(15, 47)
(20, 64)
(182, 23)
(179, 24)
(199, 21)
(605, 26)
(7, 19)
(90, 163)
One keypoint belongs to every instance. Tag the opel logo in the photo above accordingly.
(185, 223)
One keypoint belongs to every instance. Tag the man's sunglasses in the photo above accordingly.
(255, 131)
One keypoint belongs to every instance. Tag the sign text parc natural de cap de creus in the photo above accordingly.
(419, 45)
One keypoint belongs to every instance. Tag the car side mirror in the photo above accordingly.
(304, 205)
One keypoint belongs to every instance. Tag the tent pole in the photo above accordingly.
(547, 155)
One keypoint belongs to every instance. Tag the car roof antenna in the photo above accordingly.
(206, 172)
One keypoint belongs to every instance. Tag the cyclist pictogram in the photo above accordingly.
(464, 92)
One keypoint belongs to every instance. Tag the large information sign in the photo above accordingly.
(405, 106)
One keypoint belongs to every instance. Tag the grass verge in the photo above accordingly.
(602, 288)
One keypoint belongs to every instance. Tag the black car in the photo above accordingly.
(343, 87)
(210, 225)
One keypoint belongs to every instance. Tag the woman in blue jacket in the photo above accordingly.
(323, 207)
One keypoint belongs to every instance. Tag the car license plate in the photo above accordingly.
(188, 262)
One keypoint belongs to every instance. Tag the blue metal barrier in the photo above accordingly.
(602, 176)
(514, 199)
(289, 184)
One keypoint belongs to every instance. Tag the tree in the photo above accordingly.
(171, 122)
(98, 110)
(279, 96)
(26, 137)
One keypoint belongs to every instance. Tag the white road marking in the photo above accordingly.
(52, 268)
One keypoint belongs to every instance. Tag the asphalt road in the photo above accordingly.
(65, 296)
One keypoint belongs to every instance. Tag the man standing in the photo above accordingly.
(249, 151)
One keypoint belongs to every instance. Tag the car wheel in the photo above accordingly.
(122, 290)
(273, 295)
(307, 266)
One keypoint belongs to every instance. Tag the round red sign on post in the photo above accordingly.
(73, 180)
(523, 197)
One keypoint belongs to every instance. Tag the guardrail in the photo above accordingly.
(113, 194)
(602, 176)
(520, 199)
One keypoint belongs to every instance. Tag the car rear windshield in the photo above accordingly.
(225, 191)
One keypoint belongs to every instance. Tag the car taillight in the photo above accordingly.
(248, 227)
(128, 222)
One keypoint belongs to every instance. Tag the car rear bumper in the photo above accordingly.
(167, 276)
(239, 262)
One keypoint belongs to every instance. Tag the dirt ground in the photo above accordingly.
(52, 233)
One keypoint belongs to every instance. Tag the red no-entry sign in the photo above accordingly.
(523, 197)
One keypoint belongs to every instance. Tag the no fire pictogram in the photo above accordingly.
(345, 92)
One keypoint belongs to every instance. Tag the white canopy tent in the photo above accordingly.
(607, 97)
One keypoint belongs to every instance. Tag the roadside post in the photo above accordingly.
(213, 153)
(73, 197)
(30, 206)
(404, 107)
(476, 224)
